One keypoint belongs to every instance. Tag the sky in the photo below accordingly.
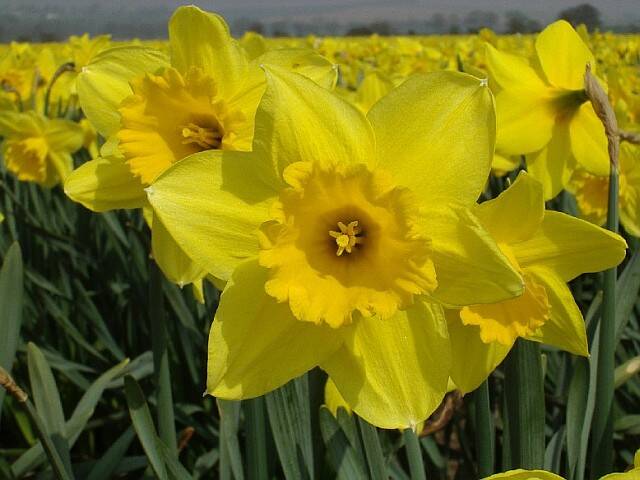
(148, 17)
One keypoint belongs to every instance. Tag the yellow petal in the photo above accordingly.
(64, 135)
(503, 164)
(62, 163)
(563, 55)
(300, 121)
(565, 329)
(569, 247)
(374, 86)
(525, 121)
(202, 39)
(436, 134)
(105, 184)
(333, 400)
(553, 165)
(473, 360)
(104, 82)
(174, 263)
(525, 475)
(19, 123)
(588, 141)
(394, 372)
(255, 344)
(516, 213)
(470, 268)
(212, 204)
(512, 71)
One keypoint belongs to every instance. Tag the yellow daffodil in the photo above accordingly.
(525, 475)
(154, 111)
(549, 249)
(38, 149)
(543, 112)
(591, 192)
(632, 474)
(333, 400)
(337, 233)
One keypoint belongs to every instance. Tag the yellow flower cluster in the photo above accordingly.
(330, 187)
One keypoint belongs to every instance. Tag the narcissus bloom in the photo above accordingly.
(549, 249)
(337, 233)
(525, 475)
(38, 149)
(154, 111)
(592, 192)
(543, 111)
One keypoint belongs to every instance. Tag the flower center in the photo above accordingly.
(373, 263)
(171, 116)
(27, 159)
(347, 237)
(205, 137)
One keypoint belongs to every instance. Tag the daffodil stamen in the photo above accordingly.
(347, 237)
(204, 137)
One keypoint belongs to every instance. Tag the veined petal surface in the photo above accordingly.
(470, 268)
(105, 184)
(297, 120)
(588, 141)
(569, 247)
(436, 134)
(394, 372)
(256, 345)
(104, 82)
(563, 55)
(202, 40)
(212, 203)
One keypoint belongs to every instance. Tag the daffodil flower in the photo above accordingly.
(542, 109)
(631, 474)
(154, 111)
(38, 149)
(396, 187)
(549, 249)
(592, 192)
(520, 474)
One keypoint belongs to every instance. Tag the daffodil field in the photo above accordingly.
(308, 258)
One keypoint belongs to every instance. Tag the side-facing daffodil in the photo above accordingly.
(592, 192)
(549, 249)
(38, 149)
(154, 111)
(338, 233)
(542, 109)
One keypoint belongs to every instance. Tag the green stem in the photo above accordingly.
(414, 454)
(602, 428)
(524, 393)
(373, 450)
(257, 439)
(483, 430)
(162, 374)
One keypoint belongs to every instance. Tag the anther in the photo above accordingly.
(205, 138)
(347, 237)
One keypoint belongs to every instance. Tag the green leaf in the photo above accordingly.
(627, 293)
(626, 371)
(11, 290)
(373, 450)
(229, 424)
(144, 427)
(47, 402)
(107, 465)
(290, 420)
(340, 453)
(256, 426)
(76, 424)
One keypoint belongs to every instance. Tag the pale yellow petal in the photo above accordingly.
(256, 345)
(588, 141)
(436, 134)
(212, 203)
(563, 55)
(202, 40)
(470, 268)
(569, 247)
(105, 184)
(512, 71)
(300, 121)
(473, 360)
(394, 372)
